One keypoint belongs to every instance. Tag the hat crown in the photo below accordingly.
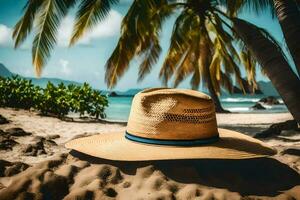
(172, 114)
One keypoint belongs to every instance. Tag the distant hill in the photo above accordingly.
(130, 92)
(42, 82)
(264, 88)
(267, 88)
(4, 72)
(127, 93)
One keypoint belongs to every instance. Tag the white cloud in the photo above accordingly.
(5, 36)
(109, 27)
(65, 69)
(65, 31)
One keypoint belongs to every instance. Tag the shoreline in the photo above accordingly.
(60, 131)
(37, 156)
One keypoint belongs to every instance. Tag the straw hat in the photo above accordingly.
(171, 124)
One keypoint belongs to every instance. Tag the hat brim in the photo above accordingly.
(231, 145)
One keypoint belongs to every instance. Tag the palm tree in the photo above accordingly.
(142, 39)
(140, 36)
(48, 15)
(200, 46)
(287, 12)
(273, 62)
(288, 15)
(262, 46)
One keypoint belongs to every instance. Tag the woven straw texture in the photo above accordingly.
(172, 114)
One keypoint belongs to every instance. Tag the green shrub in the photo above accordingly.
(55, 100)
(18, 93)
(85, 100)
(58, 100)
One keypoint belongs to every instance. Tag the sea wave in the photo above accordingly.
(230, 99)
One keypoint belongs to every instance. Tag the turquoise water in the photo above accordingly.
(119, 107)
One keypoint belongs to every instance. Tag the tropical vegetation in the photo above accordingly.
(18, 93)
(201, 47)
(57, 100)
(287, 13)
(267, 52)
(201, 44)
(274, 63)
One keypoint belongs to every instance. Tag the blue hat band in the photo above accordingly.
(171, 142)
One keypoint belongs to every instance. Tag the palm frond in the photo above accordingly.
(205, 50)
(139, 37)
(229, 63)
(129, 43)
(263, 32)
(118, 62)
(173, 58)
(198, 51)
(215, 66)
(228, 56)
(200, 72)
(150, 58)
(184, 69)
(178, 47)
(250, 66)
(24, 25)
(148, 30)
(189, 63)
(215, 72)
(225, 39)
(226, 82)
(48, 19)
(90, 12)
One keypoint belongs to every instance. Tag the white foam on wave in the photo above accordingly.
(267, 106)
(238, 109)
(240, 99)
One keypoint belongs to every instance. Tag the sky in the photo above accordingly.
(85, 61)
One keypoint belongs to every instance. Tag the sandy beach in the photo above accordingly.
(34, 164)
(149, 100)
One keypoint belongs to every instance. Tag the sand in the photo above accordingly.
(35, 165)
(49, 127)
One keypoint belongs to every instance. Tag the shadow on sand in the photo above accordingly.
(259, 176)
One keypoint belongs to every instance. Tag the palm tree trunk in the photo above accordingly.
(214, 96)
(271, 59)
(288, 15)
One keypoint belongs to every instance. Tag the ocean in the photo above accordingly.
(119, 107)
